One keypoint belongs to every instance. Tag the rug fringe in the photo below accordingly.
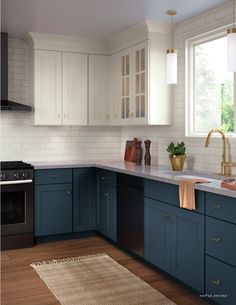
(69, 259)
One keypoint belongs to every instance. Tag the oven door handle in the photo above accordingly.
(16, 182)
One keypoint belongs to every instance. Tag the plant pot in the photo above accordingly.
(177, 162)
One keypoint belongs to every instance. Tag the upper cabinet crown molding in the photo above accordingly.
(63, 43)
(139, 32)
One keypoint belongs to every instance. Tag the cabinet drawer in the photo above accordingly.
(48, 176)
(220, 281)
(109, 177)
(220, 236)
(221, 207)
(169, 193)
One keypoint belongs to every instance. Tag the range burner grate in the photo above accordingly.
(14, 165)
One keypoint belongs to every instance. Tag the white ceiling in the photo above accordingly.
(92, 18)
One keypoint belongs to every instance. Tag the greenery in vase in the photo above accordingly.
(179, 149)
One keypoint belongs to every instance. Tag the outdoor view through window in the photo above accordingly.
(214, 88)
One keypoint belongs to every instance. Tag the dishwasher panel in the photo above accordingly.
(130, 214)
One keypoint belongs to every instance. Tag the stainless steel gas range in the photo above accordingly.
(17, 205)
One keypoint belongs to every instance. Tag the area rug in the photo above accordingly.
(96, 280)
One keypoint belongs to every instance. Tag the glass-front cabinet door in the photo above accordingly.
(133, 84)
(140, 83)
(125, 60)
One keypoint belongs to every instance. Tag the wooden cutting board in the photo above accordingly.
(229, 184)
(130, 150)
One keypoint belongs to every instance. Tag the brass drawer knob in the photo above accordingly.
(216, 282)
(216, 206)
(216, 239)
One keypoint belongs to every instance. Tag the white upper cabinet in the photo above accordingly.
(47, 87)
(123, 84)
(133, 94)
(75, 89)
(143, 93)
(61, 86)
(99, 90)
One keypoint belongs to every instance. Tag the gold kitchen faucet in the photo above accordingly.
(225, 165)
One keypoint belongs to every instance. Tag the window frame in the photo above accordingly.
(189, 81)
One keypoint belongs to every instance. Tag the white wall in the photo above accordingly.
(21, 141)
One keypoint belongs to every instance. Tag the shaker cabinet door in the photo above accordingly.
(47, 93)
(106, 201)
(99, 112)
(84, 200)
(75, 89)
(53, 209)
(187, 240)
(157, 234)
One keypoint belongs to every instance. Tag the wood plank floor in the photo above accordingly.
(22, 286)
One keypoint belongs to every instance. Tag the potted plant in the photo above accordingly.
(177, 155)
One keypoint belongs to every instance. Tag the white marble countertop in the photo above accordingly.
(154, 172)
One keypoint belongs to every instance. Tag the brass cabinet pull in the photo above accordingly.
(216, 206)
(216, 239)
(69, 192)
(216, 282)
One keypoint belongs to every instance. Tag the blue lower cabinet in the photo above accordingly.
(106, 207)
(187, 253)
(220, 281)
(174, 242)
(157, 234)
(53, 209)
(84, 200)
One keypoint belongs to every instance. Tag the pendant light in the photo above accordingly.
(171, 57)
(231, 44)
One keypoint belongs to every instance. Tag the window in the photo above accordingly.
(210, 89)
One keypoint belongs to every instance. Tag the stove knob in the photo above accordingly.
(3, 176)
(16, 176)
(25, 175)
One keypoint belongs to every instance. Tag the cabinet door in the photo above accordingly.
(187, 254)
(140, 82)
(98, 90)
(106, 217)
(101, 215)
(157, 234)
(126, 113)
(53, 209)
(48, 87)
(84, 207)
(110, 212)
(75, 88)
(114, 89)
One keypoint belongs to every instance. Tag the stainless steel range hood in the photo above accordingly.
(6, 104)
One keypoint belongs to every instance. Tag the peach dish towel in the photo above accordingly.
(187, 192)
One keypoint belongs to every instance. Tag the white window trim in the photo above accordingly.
(189, 84)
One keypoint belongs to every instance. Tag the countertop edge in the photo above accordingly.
(139, 171)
